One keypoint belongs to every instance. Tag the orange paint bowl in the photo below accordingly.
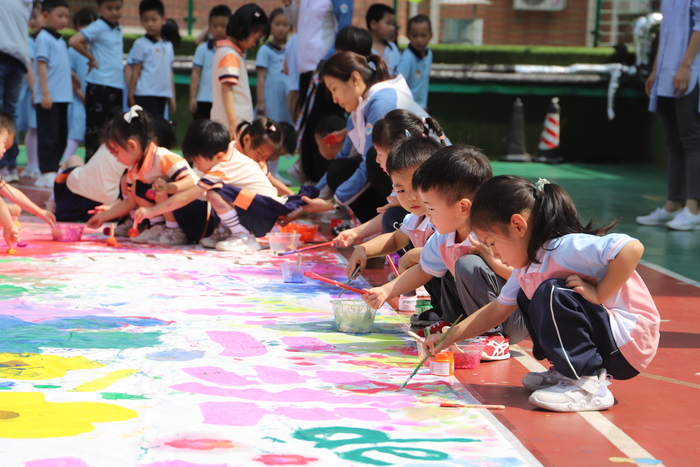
(307, 232)
(67, 232)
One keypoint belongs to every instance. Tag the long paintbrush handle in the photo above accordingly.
(313, 275)
(312, 247)
(393, 266)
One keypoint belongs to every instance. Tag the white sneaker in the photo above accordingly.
(221, 233)
(45, 180)
(237, 242)
(659, 216)
(171, 237)
(122, 230)
(534, 381)
(12, 176)
(150, 234)
(31, 173)
(686, 220)
(571, 395)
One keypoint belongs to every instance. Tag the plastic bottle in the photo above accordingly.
(442, 364)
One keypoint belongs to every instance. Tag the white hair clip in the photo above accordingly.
(272, 128)
(256, 14)
(408, 133)
(133, 112)
(539, 187)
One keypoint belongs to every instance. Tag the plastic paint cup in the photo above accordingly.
(294, 273)
(470, 355)
(353, 316)
(442, 364)
(407, 303)
(67, 232)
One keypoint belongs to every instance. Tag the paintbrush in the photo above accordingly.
(393, 266)
(312, 247)
(313, 275)
(472, 406)
(352, 277)
(430, 354)
(416, 336)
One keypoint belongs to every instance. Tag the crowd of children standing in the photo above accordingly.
(508, 255)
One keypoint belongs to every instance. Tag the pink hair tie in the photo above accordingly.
(272, 127)
(256, 14)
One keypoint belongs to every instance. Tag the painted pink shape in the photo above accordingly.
(216, 311)
(273, 375)
(342, 377)
(181, 464)
(218, 376)
(306, 343)
(259, 323)
(284, 459)
(297, 395)
(238, 344)
(59, 462)
(232, 413)
(306, 414)
(365, 414)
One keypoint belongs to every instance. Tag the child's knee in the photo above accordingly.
(469, 265)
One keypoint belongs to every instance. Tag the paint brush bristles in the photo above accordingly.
(352, 277)
(430, 354)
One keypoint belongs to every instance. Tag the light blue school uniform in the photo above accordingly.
(25, 109)
(204, 59)
(79, 65)
(415, 68)
(156, 57)
(53, 50)
(107, 46)
(271, 57)
(392, 57)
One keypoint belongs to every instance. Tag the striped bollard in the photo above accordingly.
(548, 149)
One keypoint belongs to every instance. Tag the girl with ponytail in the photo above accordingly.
(586, 308)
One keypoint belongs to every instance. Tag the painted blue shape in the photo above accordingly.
(646, 461)
(176, 355)
(7, 384)
(101, 322)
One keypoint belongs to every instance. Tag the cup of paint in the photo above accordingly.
(67, 232)
(306, 231)
(353, 316)
(283, 241)
(467, 354)
(442, 364)
(407, 303)
(294, 273)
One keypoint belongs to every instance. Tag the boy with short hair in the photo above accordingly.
(471, 276)
(417, 59)
(381, 23)
(104, 92)
(152, 83)
(53, 87)
(200, 81)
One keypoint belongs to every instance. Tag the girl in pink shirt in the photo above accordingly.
(586, 308)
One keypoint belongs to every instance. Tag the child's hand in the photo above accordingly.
(48, 217)
(375, 297)
(358, 258)
(431, 344)
(93, 64)
(393, 201)
(345, 239)
(142, 213)
(96, 221)
(193, 106)
(160, 185)
(586, 289)
(46, 102)
(478, 247)
(11, 235)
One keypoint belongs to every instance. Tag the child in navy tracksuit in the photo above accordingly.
(417, 59)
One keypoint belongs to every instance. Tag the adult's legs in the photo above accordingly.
(675, 179)
(52, 124)
(101, 104)
(688, 120)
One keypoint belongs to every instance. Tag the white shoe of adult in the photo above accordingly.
(45, 180)
(12, 176)
(686, 220)
(576, 395)
(659, 216)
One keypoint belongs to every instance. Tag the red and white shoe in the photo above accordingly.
(496, 347)
(436, 328)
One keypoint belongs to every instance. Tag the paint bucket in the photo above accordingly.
(442, 364)
(67, 232)
(468, 356)
(353, 316)
(294, 273)
(306, 231)
(283, 241)
(407, 303)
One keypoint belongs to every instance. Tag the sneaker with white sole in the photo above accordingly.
(12, 176)
(434, 328)
(686, 220)
(496, 347)
(150, 234)
(536, 380)
(220, 234)
(31, 172)
(171, 237)
(45, 180)
(576, 395)
(238, 242)
(659, 216)
(122, 230)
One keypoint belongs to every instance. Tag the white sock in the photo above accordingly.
(32, 148)
(71, 147)
(172, 225)
(230, 220)
(157, 220)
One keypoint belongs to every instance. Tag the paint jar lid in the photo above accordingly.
(444, 356)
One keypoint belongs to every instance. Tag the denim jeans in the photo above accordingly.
(11, 77)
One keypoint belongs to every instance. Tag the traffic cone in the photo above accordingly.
(548, 149)
(515, 143)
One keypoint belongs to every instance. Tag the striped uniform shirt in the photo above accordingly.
(228, 67)
(158, 163)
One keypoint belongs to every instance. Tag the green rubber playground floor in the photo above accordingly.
(606, 192)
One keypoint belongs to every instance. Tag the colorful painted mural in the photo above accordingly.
(181, 357)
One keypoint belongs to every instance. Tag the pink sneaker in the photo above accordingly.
(496, 347)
